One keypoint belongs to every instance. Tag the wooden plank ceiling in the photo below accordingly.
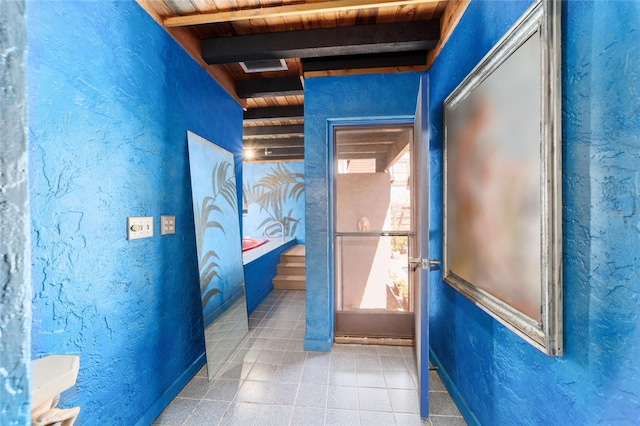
(312, 38)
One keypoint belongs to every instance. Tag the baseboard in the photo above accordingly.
(259, 299)
(317, 345)
(165, 399)
(466, 412)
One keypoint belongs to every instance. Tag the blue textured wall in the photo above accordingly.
(111, 97)
(15, 289)
(337, 98)
(253, 221)
(500, 378)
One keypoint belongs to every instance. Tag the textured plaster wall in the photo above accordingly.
(498, 377)
(335, 99)
(111, 97)
(15, 291)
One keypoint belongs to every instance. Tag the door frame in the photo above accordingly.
(332, 124)
(377, 323)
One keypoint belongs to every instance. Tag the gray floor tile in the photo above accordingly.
(342, 417)
(391, 350)
(391, 362)
(371, 399)
(282, 394)
(294, 358)
(289, 373)
(435, 382)
(208, 413)
(263, 372)
(282, 333)
(342, 397)
(270, 380)
(254, 392)
(275, 415)
(376, 418)
(236, 371)
(223, 390)
(343, 377)
(368, 362)
(311, 374)
(318, 359)
(308, 416)
(196, 389)
(399, 379)
(404, 400)
(177, 412)
(269, 356)
(312, 395)
(343, 361)
(440, 403)
(370, 379)
(447, 421)
(410, 419)
(241, 413)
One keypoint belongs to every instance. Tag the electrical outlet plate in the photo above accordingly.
(167, 224)
(139, 227)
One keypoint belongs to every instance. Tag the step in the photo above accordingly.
(290, 282)
(292, 268)
(287, 258)
(295, 254)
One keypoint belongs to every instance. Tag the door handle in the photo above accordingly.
(434, 264)
(430, 264)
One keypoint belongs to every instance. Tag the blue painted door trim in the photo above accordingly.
(421, 152)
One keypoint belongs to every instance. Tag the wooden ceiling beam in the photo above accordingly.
(352, 40)
(285, 11)
(267, 87)
(278, 113)
(389, 60)
(279, 131)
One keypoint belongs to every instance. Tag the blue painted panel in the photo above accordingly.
(495, 376)
(111, 97)
(335, 98)
(274, 192)
(259, 275)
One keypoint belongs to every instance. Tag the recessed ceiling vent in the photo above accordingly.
(264, 65)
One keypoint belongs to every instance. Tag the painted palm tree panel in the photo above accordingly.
(272, 193)
(217, 226)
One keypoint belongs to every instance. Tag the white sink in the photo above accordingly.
(52, 375)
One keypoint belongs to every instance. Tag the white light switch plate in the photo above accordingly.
(139, 227)
(167, 224)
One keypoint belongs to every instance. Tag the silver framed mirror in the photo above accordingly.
(502, 181)
(219, 248)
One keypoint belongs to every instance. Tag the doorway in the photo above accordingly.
(374, 233)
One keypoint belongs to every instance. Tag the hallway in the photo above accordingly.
(270, 380)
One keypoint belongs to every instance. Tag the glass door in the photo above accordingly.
(373, 232)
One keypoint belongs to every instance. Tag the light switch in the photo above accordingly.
(167, 224)
(139, 227)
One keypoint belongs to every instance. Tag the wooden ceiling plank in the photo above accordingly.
(355, 40)
(282, 11)
(448, 21)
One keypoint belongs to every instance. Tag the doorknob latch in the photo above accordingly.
(430, 264)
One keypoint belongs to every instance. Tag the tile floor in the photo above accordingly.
(271, 380)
